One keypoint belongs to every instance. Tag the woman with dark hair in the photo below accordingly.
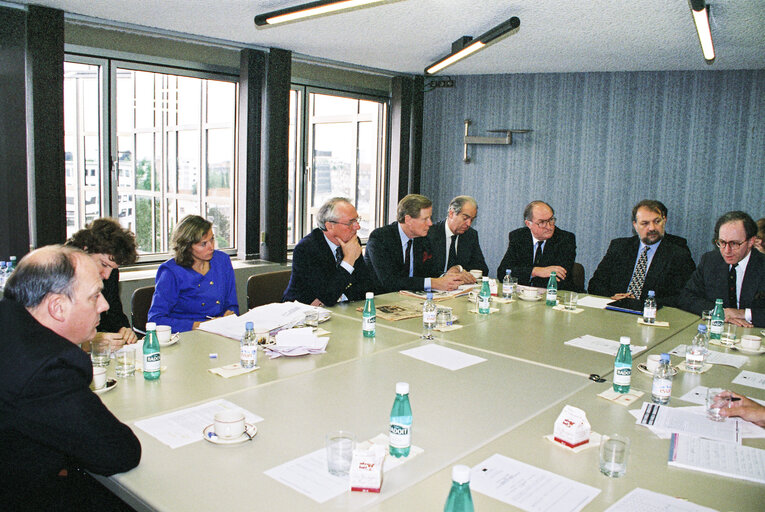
(198, 283)
(109, 246)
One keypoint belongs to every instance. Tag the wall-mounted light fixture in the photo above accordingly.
(700, 12)
(310, 9)
(466, 45)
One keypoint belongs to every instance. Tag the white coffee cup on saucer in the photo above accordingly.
(528, 292)
(652, 362)
(99, 377)
(477, 273)
(163, 333)
(750, 342)
(229, 424)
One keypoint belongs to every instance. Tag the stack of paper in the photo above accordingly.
(602, 345)
(270, 317)
(302, 337)
(719, 458)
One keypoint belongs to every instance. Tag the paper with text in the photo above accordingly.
(643, 500)
(719, 458)
(715, 357)
(751, 379)
(602, 345)
(670, 419)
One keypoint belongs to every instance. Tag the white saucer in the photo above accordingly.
(642, 367)
(209, 435)
(738, 347)
(110, 384)
(529, 299)
(173, 340)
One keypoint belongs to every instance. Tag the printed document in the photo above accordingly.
(602, 345)
(719, 458)
(643, 500)
(751, 379)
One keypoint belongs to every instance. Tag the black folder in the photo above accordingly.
(628, 305)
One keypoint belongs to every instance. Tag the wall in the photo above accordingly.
(601, 142)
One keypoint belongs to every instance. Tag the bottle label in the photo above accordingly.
(400, 435)
(661, 388)
(247, 353)
(649, 312)
(507, 290)
(368, 323)
(483, 303)
(429, 317)
(717, 326)
(151, 362)
(552, 294)
(622, 375)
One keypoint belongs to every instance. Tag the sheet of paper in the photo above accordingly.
(698, 395)
(715, 357)
(602, 345)
(643, 500)
(717, 457)
(184, 427)
(681, 420)
(748, 430)
(444, 357)
(751, 379)
(528, 487)
(591, 301)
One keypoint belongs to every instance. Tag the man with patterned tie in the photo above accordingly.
(540, 248)
(734, 273)
(327, 264)
(455, 242)
(632, 266)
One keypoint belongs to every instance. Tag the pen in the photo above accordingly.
(735, 399)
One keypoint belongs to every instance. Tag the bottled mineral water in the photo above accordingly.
(718, 320)
(662, 382)
(3, 277)
(696, 352)
(248, 349)
(649, 308)
(369, 316)
(459, 499)
(552, 290)
(152, 361)
(484, 298)
(507, 286)
(623, 366)
(400, 437)
(429, 312)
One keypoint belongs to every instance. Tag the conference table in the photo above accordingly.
(503, 405)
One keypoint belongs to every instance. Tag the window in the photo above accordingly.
(173, 145)
(337, 148)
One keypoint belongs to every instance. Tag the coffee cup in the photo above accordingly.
(229, 424)
(99, 377)
(477, 273)
(750, 342)
(652, 362)
(163, 333)
(528, 293)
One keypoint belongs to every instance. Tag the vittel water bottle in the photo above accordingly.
(400, 437)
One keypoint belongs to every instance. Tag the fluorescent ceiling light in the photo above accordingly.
(700, 13)
(310, 9)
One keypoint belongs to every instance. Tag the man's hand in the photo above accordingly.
(560, 272)
(128, 336)
(317, 303)
(447, 283)
(737, 317)
(115, 339)
(465, 276)
(619, 296)
(744, 408)
(351, 250)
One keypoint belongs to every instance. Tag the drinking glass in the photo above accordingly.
(125, 358)
(340, 446)
(614, 451)
(100, 351)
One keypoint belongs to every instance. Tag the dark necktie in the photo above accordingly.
(408, 257)
(638, 277)
(732, 297)
(338, 255)
(452, 254)
(538, 253)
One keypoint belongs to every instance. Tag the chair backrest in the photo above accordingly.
(140, 303)
(267, 288)
(577, 276)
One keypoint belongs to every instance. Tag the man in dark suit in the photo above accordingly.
(52, 426)
(455, 242)
(327, 265)
(734, 273)
(633, 266)
(538, 249)
(400, 255)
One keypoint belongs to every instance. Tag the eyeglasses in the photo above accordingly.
(545, 223)
(350, 223)
(722, 244)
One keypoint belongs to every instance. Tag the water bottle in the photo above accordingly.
(507, 286)
(369, 316)
(623, 366)
(429, 312)
(662, 382)
(649, 308)
(696, 352)
(152, 361)
(2, 275)
(248, 349)
(718, 319)
(400, 437)
(484, 297)
(459, 499)
(11, 265)
(552, 290)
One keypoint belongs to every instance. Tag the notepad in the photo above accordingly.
(717, 457)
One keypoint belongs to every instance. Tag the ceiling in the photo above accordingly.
(406, 35)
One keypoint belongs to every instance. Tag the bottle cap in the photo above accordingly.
(248, 326)
(507, 272)
(702, 328)
(461, 474)
(151, 326)
(665, 358)
(485, 279)
(651, 293)
(624, 340)
(553, 273)
(370, 295)
(402, 388)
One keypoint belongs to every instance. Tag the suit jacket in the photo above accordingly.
(316, 275)
(670, 269)
(469, 253)
(384, 255)
(49, 418)
(710, 282)
(560, 249)
(113, 319)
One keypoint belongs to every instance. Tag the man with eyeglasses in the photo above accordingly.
(647, 261)
(327, 264)
(540, 248)
(455, 243)
(734, 273)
